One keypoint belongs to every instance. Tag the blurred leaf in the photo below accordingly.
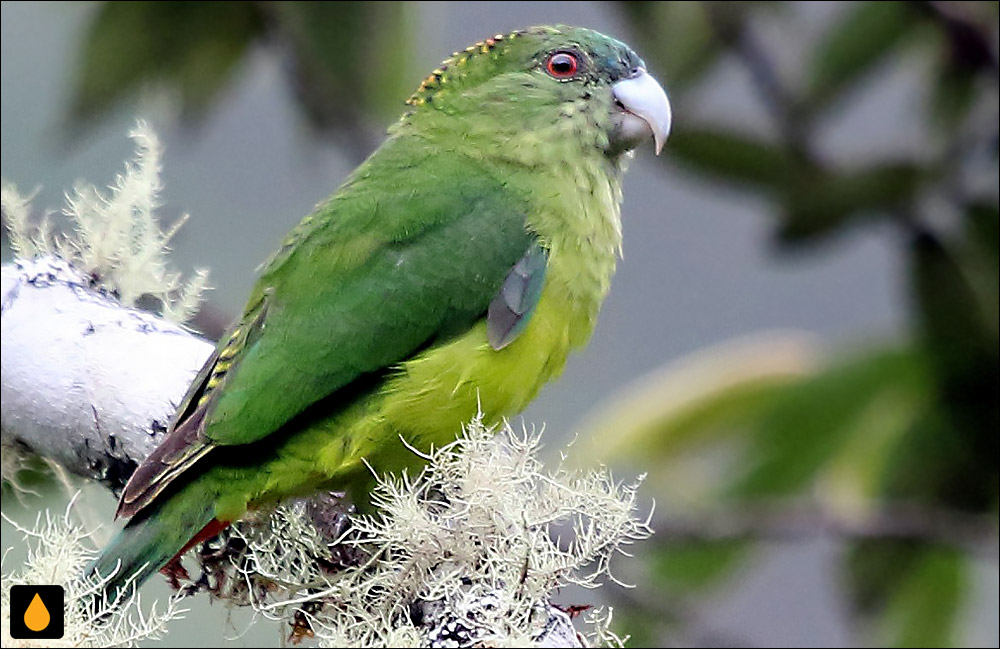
(922, 611)
(983, 229)
(819, 203)
(982, 261)
(640, 626)
(968, 56)
(351, 59)
(853, 480)
(733, 156)
(964, 353)
(676, 38)
(816, 418)
(914, 592)
(955, 324)
(932, 464)
(873, 570)
(952, 95)
(700, 399)
(180, 43)
(720, 414)
(862, 38)
(695, 566)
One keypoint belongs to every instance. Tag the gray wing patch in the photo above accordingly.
(511, 309)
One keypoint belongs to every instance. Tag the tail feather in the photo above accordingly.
(149, 541)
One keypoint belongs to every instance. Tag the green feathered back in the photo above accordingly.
(376, 274)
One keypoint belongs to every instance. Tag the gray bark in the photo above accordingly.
(85, 381)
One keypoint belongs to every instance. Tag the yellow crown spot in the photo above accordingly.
(37, 617)
(425, 92)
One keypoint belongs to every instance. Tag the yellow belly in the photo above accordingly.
(425, 403)
(437, 392)
(443, 388)
(431, 396)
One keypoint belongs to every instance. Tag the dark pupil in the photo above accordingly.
(562, 63)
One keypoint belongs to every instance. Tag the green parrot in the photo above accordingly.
(454, 270)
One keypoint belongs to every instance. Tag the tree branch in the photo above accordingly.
(87, 382)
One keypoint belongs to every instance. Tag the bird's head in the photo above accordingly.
(528, 91)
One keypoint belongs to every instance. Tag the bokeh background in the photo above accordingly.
(832, 181)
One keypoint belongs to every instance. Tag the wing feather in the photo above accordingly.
(185, 442)
(512, 307)
(398, 258)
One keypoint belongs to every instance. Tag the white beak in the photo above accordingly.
(642, 96)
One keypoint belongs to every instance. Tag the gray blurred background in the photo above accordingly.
(700, 262)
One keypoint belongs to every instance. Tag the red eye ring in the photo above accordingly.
(561, 65)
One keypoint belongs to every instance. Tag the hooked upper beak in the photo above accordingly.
(642, 97)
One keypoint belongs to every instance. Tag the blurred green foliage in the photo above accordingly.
(131, 43)
(893, 450)
(347, 61)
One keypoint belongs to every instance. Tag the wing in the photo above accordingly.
(400, 257)
(512, 307)
(185, 442)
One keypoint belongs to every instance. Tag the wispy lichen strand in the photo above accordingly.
(466, 553)
(58, 549)
(115, 236)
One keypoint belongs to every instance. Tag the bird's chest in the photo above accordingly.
(432, 395)
(445, 386)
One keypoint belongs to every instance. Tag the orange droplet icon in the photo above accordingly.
(36, 617)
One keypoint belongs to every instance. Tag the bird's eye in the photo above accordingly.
(561, 65)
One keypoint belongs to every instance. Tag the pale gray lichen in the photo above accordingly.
(58, 548)
(470, 552)
(115, 237)
(467, 553)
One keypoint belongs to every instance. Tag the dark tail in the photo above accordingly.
(150, 540)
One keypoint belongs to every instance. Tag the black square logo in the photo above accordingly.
(37, 612)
